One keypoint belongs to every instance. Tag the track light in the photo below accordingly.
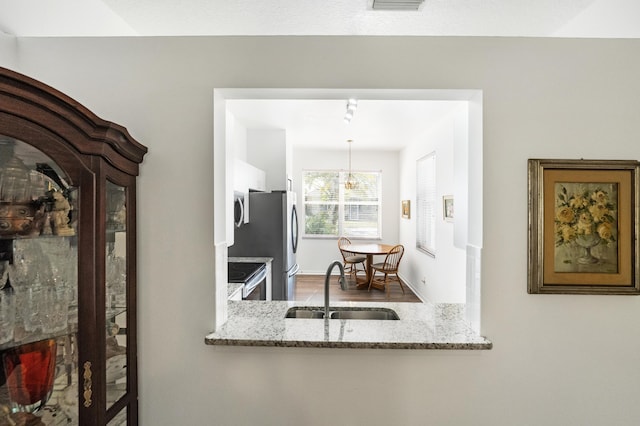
(352, 104)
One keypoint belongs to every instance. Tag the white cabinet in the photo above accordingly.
(246, 177)
(269, 150)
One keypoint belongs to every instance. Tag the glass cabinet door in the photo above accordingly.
(38, 289)
(116, 297)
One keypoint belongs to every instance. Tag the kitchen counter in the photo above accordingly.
(233, 289)
(255, 259)
(421, 326)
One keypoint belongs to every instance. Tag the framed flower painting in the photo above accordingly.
(583, 226)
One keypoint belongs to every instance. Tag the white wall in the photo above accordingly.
(268, 151)
(596, 20)
(315, 255)
(445, 274)
(8, 50)
(557, 360)
(237, 135)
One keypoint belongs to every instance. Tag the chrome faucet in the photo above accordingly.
(326, 284)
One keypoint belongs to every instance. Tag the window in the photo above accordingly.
(330, 210)
(426, 204)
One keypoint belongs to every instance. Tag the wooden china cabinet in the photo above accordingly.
(67, 261)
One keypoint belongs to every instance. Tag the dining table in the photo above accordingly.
(369, 250)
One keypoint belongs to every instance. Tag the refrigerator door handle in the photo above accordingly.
(294, 228)
(295, 270)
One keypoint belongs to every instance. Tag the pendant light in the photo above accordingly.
(350, 183)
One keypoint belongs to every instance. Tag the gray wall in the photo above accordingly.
(557, 360)
(8, 50)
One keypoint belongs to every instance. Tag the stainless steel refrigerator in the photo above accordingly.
(272, 231)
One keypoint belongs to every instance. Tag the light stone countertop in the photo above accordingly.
(251, 259)
(232, 288)
(421, 326)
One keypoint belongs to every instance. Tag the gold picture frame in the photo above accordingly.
(583, 226)
(406, 209)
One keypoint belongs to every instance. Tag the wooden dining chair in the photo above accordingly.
(389, 268)
(351, 260)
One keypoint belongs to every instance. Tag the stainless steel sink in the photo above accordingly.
(344, 313)
(305, 313)
(365, 314)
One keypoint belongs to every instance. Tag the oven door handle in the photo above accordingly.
(254, 282)
(260, 276)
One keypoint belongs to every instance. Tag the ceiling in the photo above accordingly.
(384, 125)
(528, 18)
(377, 124)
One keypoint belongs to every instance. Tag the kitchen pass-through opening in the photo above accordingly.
(461, 123)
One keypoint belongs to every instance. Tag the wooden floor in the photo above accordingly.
(310, 289)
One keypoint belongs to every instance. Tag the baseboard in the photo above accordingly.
(412, 287)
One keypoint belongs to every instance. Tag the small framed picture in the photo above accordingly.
(406, 209)
(447, 208)
(583, 226)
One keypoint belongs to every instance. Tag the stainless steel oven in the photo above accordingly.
(252, 275)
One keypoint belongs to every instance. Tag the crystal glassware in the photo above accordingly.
(7, 316)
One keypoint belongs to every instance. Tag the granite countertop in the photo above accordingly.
(256, 259)
(233, 287)
(421, 326)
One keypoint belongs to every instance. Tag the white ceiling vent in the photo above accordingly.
(396, 4)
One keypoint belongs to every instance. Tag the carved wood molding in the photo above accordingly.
(39, 105)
